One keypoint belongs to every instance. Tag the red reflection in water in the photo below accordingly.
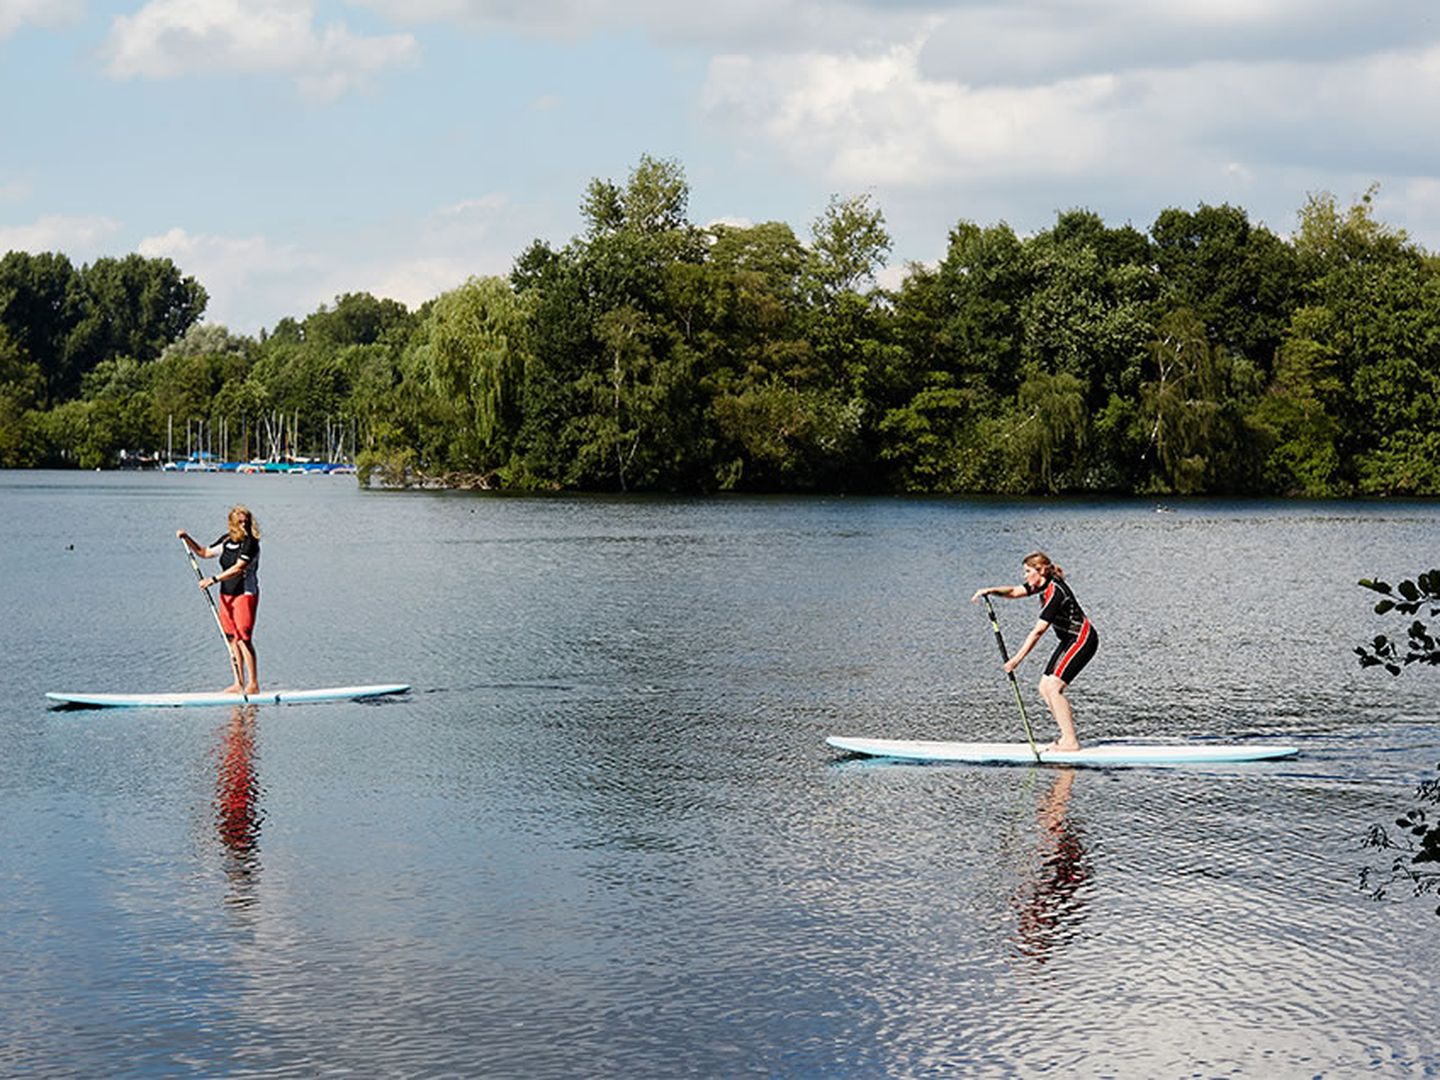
(237, 790)
(1050, 905)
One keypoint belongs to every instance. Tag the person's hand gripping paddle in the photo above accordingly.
(1005, 658)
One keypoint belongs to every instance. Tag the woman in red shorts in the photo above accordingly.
(1077, 644)
(239, 580)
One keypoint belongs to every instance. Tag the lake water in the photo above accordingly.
(603, 835)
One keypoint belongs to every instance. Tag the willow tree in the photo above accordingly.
(478, 350)
(1052, 429)
(1184, 406)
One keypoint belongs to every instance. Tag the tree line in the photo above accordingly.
(1207, 355)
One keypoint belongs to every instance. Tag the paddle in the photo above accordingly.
(1005, 658)
(234, 660)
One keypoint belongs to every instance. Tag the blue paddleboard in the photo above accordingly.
(1103, 754)
(211, 698)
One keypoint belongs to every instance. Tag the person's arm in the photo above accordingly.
(236, 569)
(1031, 640)
(1010, 592)
(198, 548)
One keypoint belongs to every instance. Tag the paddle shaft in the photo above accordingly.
(1015, 686)
(200, 576)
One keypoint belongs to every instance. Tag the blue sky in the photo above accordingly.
(287, 151)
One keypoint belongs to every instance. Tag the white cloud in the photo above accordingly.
(992, 40)
(733, 221)
(879, 119)
(232, 267)
(876, 120)
(77, 237)
(253, 282)
(46, 13)
(412, 281)
(172, 38)
(1028, 41)
(484, 204)
(759, 25)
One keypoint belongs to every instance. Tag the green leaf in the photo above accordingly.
(1409, 591)
(1377, 586)
(1383, 606)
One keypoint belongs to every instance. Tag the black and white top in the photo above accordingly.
(245, 551)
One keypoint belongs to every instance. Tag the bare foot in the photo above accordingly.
(1063, 746)
(252, 689)
(233, 688)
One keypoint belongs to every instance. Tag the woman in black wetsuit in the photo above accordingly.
(1078, 640)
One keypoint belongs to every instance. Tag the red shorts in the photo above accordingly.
(237, 615)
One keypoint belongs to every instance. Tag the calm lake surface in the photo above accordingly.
(603, 835)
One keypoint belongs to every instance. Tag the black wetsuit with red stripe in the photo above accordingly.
(1078, 639)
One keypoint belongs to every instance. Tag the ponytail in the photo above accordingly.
(1038, 560)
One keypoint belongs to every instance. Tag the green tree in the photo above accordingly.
(743, 316)
(981, 285)
(643, 409)
(1300, 412)
(478, 352)
(859, 369)
(135, 306)
(21, 389)
(946, 425)
(1241, 280)
(358, 319)
(1050, 430)
(1361, 358)
(1194, 408)
(849, 245)
(606, 349)
(1088, 313)
(42, 300)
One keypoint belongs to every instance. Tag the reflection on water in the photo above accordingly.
(1050, 904)
(603, 837)
(238, 812)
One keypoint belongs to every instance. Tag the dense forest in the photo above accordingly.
(1208, 355)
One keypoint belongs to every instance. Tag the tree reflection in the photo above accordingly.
(1051, 903)
(237, 800)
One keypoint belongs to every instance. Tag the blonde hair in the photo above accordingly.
(1038, 560)
(242, 523)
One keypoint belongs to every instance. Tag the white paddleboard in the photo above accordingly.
(1103, 754)
(265, 697)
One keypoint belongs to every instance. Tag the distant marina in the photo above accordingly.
(209, 463)
(276, 434)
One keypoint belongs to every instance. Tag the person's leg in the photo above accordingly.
(1052, 689)
(236, 674)
(246, 651)
(244, 611)
(227, 626)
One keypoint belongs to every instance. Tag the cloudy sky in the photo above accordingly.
(287, 151)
